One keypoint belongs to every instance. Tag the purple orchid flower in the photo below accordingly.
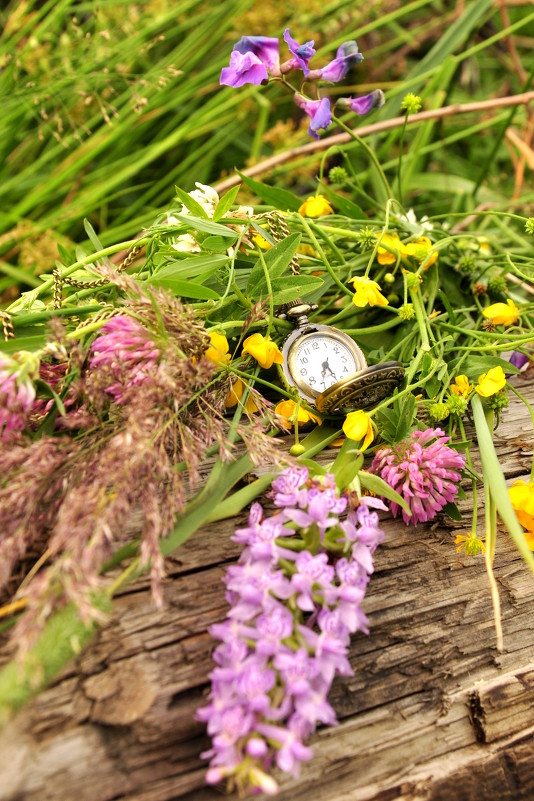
(363, 105)
(301, 54)
(319, 112)
(346, 56)
(251, 59)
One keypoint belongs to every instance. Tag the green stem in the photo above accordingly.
(370, 152)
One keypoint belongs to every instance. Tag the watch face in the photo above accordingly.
(320, 360)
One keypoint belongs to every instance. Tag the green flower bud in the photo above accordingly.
(497, 288)
(297, 449)
(366, 238)
(389, 278)
(456, 404)
(498, 402)
(413, 280)
(529, 226)
(439, 411)
(338, 175)
(411, 103)
(406, 312)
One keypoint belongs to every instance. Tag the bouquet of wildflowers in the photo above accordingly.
(119, 378)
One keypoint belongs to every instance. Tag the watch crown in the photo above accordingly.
(297, 310)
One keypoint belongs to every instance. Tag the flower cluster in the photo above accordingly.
(17, 394)
(125, 350)
(295, 600)
(424, 470)
(255, 59)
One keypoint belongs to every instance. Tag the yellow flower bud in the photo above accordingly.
(264, 350)
(358, 426)
(286, 410)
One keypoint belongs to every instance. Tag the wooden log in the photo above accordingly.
(432, 712)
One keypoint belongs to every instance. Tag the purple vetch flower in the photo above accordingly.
(424, 470)
(17, 395)
(319, 112)
(519, 360)
(363, 105)
(347, 56)
(287, 633)
(251, 61)
(301, 54)
(125, 350)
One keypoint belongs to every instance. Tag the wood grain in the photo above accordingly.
(432, 713)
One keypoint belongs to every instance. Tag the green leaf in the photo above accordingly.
(225, 203)
(477, 365)
(279, 198)
(452, 511)
(25, 341)
(292, 287)
(379, 487)
(185, 289)
(277, 260)
(93, 237)
(202, 265)
(190, 204)
(218, 244)
(207, 226)
(395, 423)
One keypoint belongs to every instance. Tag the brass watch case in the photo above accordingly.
(361, 390)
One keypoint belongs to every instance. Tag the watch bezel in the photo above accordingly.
(294, 341)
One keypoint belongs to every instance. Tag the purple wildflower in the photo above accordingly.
(363, 105)
(251, 60)
(519, 360)
(287, 633)
(319, 112)
(126, 352)
(346, 56)
(424, 470)
(17, 394)
(301, 54)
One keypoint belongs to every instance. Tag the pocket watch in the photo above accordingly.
(329, 369)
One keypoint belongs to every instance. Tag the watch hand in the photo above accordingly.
(326, 367)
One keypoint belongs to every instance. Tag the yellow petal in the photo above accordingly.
(461, 386)
(316, 206)
(358, 426)
(502, 313)
(217, 353)
(286, 409)
(264, 350)
(491, 382)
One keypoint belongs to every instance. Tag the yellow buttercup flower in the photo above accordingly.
(502, 313)
(286, 410)
(234, 397)
(420, 249)
(461, 386)
(522, 498)
(264, 350)
(316, 206)
(261, 242)
(367, 292)
(358, 426)
(491, 382)
(392, 242)
(218, 353)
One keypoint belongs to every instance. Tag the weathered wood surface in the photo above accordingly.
(432, 713)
